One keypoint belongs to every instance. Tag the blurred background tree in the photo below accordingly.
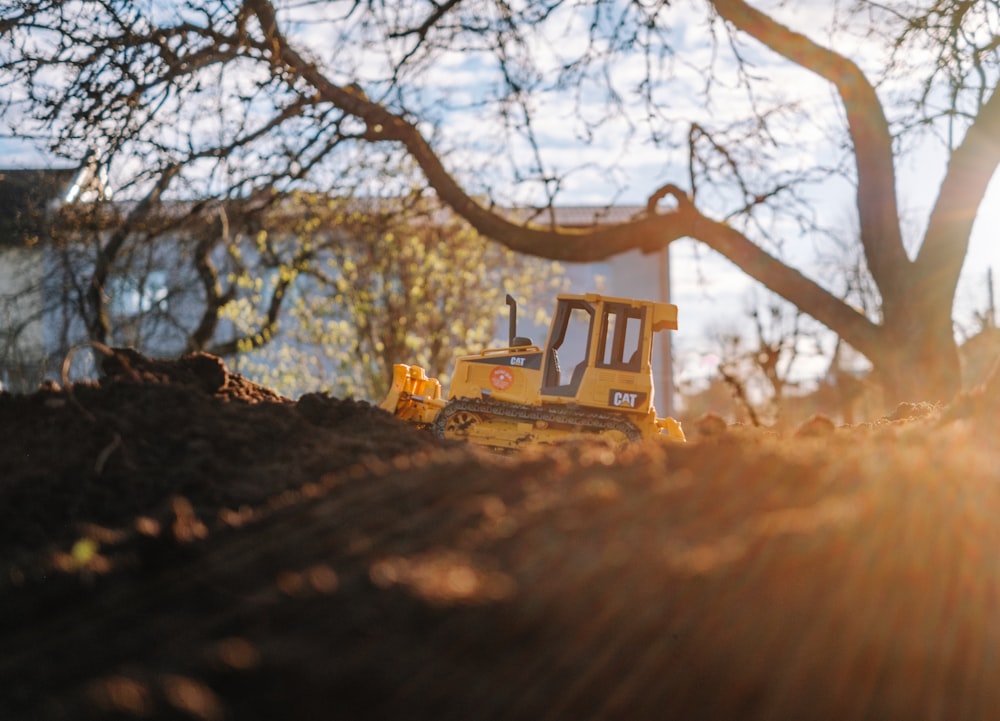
(388, 281)
(754, 379)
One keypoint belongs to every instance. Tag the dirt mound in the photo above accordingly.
(151, 430)
(180, 544)
(198, 370)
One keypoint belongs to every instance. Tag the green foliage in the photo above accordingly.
(385, 282)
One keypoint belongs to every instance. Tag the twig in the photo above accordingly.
(67, 384)
(105, 454)
(739, 390)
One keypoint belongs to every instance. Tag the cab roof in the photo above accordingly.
(664, 315)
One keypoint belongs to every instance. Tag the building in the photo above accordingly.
(26, 199)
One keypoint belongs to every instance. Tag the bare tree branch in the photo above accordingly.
(973, 164)
(100, 326)
(869, 130)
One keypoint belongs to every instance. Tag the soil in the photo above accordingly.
(179, 543)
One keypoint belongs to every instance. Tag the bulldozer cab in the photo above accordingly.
(569, 341)
(600, 351)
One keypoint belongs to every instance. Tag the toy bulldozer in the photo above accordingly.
(593, 376)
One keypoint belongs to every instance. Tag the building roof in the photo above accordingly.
(576, 216)
(25, 197)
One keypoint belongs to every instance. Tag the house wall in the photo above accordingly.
(22, 276)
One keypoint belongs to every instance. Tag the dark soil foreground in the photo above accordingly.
(177, 543)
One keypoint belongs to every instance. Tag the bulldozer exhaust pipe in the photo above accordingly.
(512, 327)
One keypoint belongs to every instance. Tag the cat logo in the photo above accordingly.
(626, 399)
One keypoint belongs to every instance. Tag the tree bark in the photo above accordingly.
(946, 242)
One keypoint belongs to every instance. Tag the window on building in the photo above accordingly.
(134, 296)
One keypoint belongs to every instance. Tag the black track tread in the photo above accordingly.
(588, 420)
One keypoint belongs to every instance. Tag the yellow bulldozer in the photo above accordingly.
(593, 376)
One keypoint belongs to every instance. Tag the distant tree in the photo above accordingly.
(758, 363)
(397, 281)
(980, 335)
(708, 397)
(231, 95)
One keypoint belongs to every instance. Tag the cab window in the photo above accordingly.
(620, 339)
(567, 355)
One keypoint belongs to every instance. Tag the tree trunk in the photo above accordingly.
(919, 357)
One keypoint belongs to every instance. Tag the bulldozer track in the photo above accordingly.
(565, 417)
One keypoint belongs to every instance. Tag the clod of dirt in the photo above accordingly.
(199, 370)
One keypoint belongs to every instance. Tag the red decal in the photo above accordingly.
(502, 378)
